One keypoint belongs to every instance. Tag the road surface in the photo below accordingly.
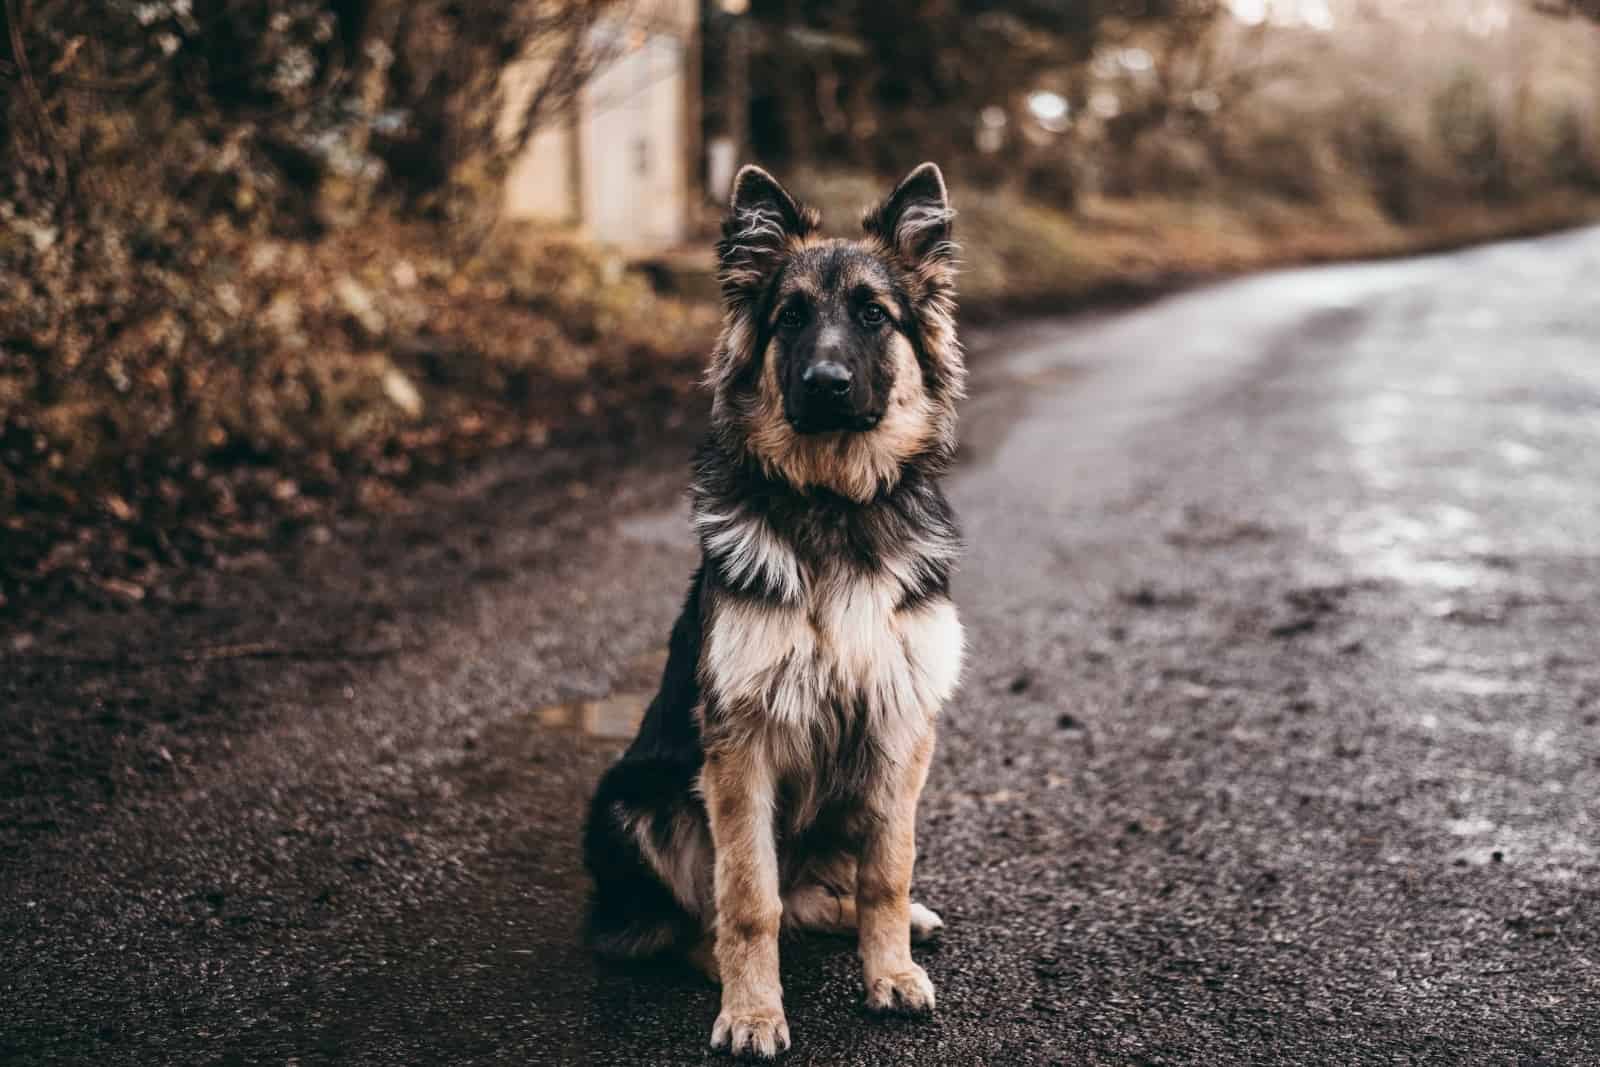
(1280, 741)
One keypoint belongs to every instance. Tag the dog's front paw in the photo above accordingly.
(754, 1033)
(908, 992)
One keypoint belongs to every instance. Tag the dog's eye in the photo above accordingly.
(791, 318)
(873, 315)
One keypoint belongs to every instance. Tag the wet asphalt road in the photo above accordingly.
(1280, 741)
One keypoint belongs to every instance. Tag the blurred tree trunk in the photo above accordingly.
(799, 110)
(377, 55)
(344, 199)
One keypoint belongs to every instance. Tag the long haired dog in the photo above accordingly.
(775, 778)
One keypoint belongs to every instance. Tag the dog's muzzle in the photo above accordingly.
(826, 401)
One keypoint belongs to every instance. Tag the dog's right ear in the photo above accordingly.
(763, 220)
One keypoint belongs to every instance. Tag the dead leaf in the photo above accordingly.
(120, 587)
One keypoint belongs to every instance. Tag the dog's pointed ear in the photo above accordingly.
(914, 221)
(762, 221)
(913, 226)
(754, 190)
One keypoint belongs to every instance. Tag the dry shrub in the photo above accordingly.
(1469, 129)
(1280, 160)
(1056, 180)
(1166, 162)
(1386, 156)
(1571, 145)
(1473, 119)
(160, 370)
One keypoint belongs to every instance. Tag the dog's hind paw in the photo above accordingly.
(907, 993)
(925, 923)
(756, 1034)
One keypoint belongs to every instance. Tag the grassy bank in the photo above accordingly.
(191, 390)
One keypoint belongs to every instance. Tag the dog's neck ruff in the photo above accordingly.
(764, 539)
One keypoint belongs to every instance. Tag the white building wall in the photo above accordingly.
(629, 185)
(632, 148)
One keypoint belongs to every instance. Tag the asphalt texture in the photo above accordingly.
(1279, 742)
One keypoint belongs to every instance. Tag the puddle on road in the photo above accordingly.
(1472, 676)
(615, 718)
(1387, 543)
(1519, 455)
(1469, 683)
(1546, 854)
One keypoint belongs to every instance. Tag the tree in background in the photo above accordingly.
(147, 147)
(251, 105)
(873, 83)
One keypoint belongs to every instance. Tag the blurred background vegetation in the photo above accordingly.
(261, 259)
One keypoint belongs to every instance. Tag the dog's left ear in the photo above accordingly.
(913, 225)
(763, 221)
(914, 222)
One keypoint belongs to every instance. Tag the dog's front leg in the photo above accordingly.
(883, 889)
(739, 799)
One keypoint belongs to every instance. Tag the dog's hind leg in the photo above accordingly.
(821, 909)
(925, 924)
(822, 900)
(632, 915)
(651, 860)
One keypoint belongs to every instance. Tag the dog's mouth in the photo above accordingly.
(810, 423)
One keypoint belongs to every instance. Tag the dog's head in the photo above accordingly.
(839, 364)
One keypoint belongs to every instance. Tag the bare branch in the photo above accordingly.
(40, 114)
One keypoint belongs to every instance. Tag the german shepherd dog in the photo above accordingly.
(775, 777)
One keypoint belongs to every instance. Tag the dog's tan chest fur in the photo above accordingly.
(842, 640)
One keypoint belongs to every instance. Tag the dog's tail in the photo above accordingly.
(635, 917)
(618, 935)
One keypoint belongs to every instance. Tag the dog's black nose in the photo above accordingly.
(827, 378)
